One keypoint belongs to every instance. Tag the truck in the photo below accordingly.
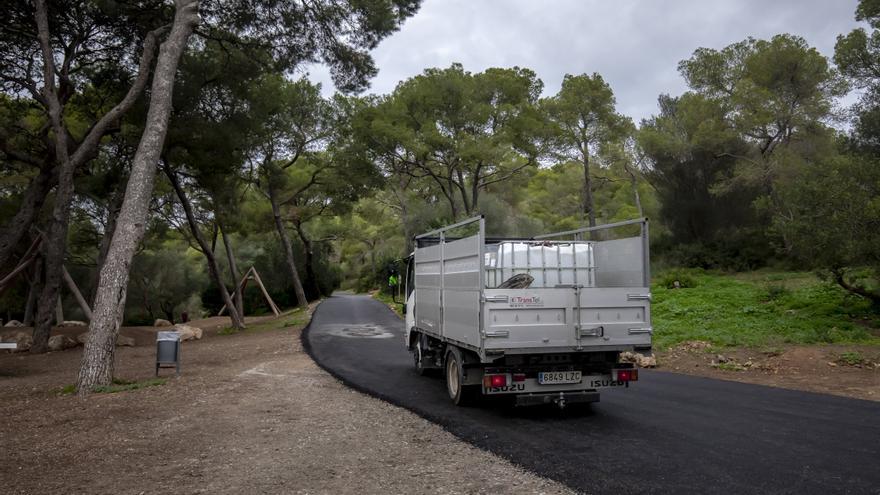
(539, 320)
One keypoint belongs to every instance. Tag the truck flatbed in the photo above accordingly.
(542, 319)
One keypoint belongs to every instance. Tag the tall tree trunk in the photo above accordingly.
(36, 286)
(839, 275)
(288, 249)
(67, 163)
(112, 214)
(310, 259)
(589, 207)
(30, 207)
(634, 184)
(98, 355)
(207, 250)
(56, 237)
(233, 271)
(400, 194)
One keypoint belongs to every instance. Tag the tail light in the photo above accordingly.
(626, 375)
(495, 381)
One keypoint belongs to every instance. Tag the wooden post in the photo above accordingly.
(22, 265)
(76, 293)
(266, 293)
(59, 311)
(275, 309)
(243, 285)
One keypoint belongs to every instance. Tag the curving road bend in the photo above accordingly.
(669, 433)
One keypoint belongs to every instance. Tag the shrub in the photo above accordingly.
(774, 292)
(684, 278)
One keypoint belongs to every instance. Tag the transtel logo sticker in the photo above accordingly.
(526, 302)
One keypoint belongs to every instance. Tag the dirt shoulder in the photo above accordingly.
(846, 370)
(250, 413)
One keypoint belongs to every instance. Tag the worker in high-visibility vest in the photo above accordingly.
(393, 283)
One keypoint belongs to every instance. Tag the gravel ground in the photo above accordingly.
(251, 412)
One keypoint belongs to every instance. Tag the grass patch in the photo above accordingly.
(293, 318)
(67, 390)
(677, 279)
(852, 358)
(729, 367)
(397, 307)
(760, 309)
(118, 385)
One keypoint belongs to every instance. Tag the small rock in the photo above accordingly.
(833, 365)
(627, 357)
(647, 361)
(188, 332)
(639, 359)
(676, 285)
(124, 341)
(73, 323)
(13, 323)
(61, 342)
(161, 323)
(721, 358)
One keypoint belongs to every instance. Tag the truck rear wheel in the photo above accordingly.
(460, 394)
(418, 358)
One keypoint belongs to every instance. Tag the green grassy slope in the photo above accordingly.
(758, 308)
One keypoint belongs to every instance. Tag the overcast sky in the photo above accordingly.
(635, 44)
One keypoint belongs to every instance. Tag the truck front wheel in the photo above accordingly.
(460, 394)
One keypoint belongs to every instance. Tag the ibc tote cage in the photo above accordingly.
(572, 262)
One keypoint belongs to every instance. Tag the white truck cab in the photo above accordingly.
(541, 320)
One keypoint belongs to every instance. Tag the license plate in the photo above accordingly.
(557, 377)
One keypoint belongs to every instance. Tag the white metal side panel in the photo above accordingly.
(427, 292)
(461, 290)
(553, 318)
(624, 314)
(529, 318)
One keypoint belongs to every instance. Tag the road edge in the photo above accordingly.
(474, 442)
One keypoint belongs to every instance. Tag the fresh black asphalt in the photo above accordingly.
(668, 433)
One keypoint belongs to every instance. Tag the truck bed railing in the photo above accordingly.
(577, 234)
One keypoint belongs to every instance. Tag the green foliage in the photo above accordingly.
(165, 282)
(852, 358)
(833, 220)
(677, 279)
(724, 151)
(775, 291)
(459, 132)
(731, 311)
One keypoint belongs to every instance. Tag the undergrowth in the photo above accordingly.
(760, 309)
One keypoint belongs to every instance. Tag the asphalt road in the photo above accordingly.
(668, 433)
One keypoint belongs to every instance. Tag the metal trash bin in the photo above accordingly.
(168, 351)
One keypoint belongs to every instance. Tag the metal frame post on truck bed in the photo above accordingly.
(481, 241)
